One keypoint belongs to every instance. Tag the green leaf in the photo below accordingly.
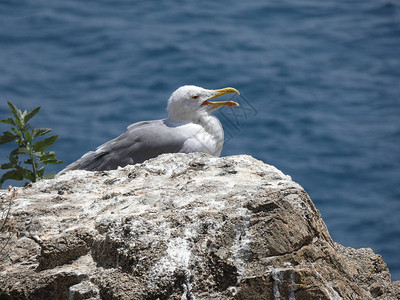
(31, 114)
(8, 121)
(7, 166)
(21, 150)
(42, 145)
(24, 113)
(7, 137)
(12, 175)
(26, 127)
(38, 154)
(52, 161)
(50, 175)
(15, 129)
(14, 157)
(28, 136)
(50, 158)
(14, 152)
(47, 155)
(17, 115)
(40, 172)
(28, 161)
(39, 132)
(28, 174)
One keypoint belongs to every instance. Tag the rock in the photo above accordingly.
(84, 290)
(180, 226)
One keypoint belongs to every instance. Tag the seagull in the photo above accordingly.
(190, 127)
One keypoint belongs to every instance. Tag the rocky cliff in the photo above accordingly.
(180, 227)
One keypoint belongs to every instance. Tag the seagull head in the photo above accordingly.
(190, 102)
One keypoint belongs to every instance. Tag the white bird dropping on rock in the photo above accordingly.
(190, 127)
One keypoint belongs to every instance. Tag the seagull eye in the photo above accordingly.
(195, 97)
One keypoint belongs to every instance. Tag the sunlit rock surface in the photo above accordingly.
(181, 226)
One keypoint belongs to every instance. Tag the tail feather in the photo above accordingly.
(90, 161)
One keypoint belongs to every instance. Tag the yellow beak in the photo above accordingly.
(219, 93)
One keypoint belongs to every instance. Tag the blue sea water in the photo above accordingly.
(320, 84)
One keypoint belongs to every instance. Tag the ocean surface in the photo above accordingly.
(319, 83)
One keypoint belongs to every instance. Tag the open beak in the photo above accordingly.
(219, 93)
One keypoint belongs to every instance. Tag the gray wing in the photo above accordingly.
(142, 141)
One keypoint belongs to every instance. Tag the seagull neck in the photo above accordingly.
(199, 118)
(210, 123)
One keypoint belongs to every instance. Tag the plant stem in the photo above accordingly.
(25, 143)
(34, 168)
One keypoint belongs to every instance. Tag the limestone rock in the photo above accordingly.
(180, 226)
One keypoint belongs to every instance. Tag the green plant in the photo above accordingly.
(34, 150)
